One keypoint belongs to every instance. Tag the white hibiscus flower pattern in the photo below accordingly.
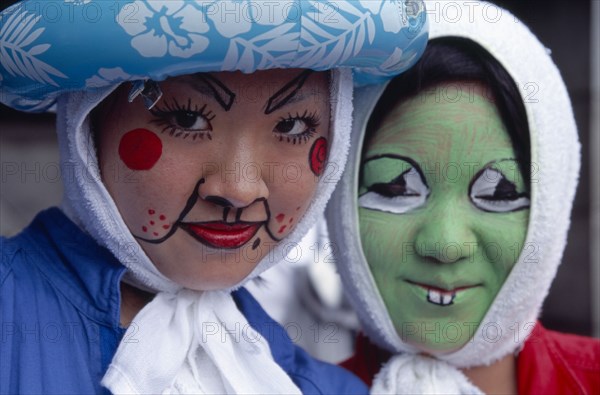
(234, 17)
(159, 27)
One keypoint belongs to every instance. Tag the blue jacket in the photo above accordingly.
(59, 316)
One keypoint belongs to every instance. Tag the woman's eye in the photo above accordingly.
(406, 192)
(291, 126)
(184, 120)
(188, 120)
(298, 128)
(493, 192)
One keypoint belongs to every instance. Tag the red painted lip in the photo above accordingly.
(220, 234)
(442, 290)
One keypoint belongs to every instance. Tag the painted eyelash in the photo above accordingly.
(311, 120)
(492, 200)
(170, 109)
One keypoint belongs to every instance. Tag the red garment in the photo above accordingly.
(550, 363)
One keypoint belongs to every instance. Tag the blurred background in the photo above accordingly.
(30, 177)
(570, 31)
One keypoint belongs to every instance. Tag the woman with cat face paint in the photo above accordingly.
(455, 215)
(198, 140)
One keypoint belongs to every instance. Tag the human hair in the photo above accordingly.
(7, 3)
(457, 59)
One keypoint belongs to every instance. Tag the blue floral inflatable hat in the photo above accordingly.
(51, 47)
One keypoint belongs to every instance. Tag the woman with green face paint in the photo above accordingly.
(440, 196)
(454, 218)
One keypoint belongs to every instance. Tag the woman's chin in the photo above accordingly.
(436, 349)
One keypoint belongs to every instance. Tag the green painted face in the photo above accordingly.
(443, 212)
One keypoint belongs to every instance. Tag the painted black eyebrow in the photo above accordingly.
(214, 87)
(287, 93)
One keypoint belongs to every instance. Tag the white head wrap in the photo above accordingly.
(555, 154)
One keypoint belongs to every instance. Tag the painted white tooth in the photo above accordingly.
(434, 296)
(447, 299)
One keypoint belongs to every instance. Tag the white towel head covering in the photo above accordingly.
(87, 201)
(174, 352)
(555, 151)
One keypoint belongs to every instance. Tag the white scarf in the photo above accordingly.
(556, 156)
(173, 350)
(200, 343)
(417, 374)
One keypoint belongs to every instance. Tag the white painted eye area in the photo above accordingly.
(406, 192)
(493, 192)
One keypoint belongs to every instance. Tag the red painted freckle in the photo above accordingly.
(282, 229)
(140, 149)
(162, 217)
(166, 226)
(280, 217)
(144, 229)
(151, 222)
(151, 212)
(155, 233)
(298, 208)
(291, 220)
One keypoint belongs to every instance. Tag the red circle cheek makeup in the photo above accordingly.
(318, 156)
(140, 149)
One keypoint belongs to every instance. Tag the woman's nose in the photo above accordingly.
(446, 236)
(233, 183)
